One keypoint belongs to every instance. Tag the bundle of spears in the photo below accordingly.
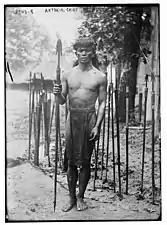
(41, 115)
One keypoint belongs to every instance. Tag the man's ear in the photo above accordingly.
(75, 52)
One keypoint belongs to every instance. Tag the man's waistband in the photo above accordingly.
(88, 109)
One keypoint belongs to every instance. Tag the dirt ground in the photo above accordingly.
(30, 189)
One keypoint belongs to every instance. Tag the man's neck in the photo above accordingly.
(85, 66)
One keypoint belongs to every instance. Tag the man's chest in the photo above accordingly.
(82, 81)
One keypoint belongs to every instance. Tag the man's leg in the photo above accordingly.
(84, 177)
(72, 176)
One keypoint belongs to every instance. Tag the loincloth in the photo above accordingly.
(79, 125)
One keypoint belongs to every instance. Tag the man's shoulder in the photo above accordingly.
(100, 75)
(98, 72)
(67, 73)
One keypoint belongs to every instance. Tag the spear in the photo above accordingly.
(51, 120)
(108, 128)
(113, 141)
(48, 123)
(41, 94)
(144, 130)
(97, 154)
(58, 52)
(94, 180)
(34, 107)
(127, 136)
(30, 118)
(153, 128)
(117, 124)
(102, 157)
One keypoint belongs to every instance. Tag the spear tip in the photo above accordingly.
(59, 47)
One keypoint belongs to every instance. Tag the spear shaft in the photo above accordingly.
(59, 52)
(113, 141)
(30, 117)
(108, 128)
(127, 136)
(118, 136)
(144, 130)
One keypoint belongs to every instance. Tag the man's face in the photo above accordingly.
(84, 54)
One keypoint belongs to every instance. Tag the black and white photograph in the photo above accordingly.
(82, 113)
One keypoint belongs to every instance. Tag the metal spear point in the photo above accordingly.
(59, 53)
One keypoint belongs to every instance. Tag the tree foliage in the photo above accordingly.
(25, 39)
(117, 31)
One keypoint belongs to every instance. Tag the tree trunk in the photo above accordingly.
(132, 87)
(131, 45)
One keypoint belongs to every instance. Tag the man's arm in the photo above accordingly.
(102, 101)
(61, 90)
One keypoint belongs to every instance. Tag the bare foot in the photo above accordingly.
(81, 205)
(69, 205)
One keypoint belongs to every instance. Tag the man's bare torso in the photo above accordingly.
(83, 87)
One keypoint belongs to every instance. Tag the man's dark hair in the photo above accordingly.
(84, 42)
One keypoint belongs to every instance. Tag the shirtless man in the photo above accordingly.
(83, 84)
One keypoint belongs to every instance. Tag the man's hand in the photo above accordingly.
(57, 89)
(94, 134)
